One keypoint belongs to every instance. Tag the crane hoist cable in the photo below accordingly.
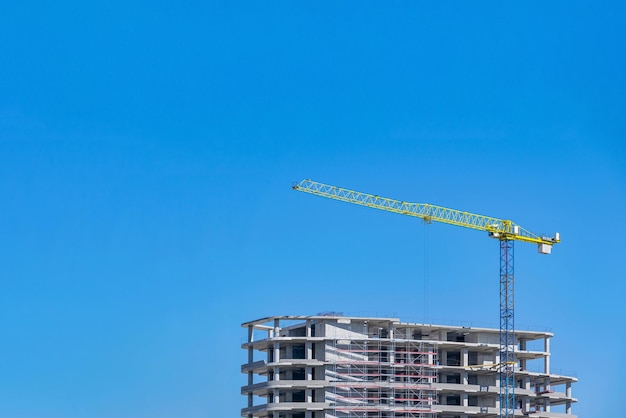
(506, 231)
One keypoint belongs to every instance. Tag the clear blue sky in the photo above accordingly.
(147, 152)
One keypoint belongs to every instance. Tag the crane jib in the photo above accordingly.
(495, 227)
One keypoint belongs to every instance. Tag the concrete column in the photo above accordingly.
(522, 365)
(568, 393)
(547, 387)
(276, 396)
(546, 359)
(276, 352)
(522, 347)
(497, 377)
(464, 363)
(250, 382)
(309, 350)
(250, 360)
(526, 398)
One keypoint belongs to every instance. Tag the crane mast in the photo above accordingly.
(506, 231)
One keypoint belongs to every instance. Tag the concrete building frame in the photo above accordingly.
(335, 366)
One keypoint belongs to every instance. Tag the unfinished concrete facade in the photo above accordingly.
(335, 366)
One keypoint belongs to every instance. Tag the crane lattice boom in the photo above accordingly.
(497, 228)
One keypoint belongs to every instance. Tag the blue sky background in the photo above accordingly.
(147, 152)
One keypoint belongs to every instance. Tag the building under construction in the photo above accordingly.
(337, 366)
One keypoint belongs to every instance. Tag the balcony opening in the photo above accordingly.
(298, 396)
(454, 358)
(298, 352)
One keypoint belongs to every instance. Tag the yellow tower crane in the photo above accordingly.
(506, 231)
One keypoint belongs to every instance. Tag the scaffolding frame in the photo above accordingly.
(383, 378)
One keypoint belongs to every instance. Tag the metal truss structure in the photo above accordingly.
(507, 331)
